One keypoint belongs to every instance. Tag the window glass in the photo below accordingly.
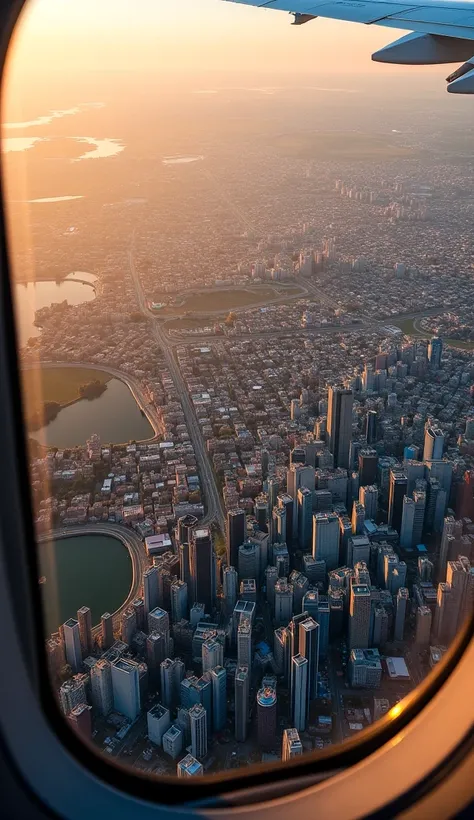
(242, 269)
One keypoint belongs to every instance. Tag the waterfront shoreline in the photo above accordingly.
(130, 540)
(123, 377)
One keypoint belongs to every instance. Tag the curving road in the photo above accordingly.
(322, 330)
(129, 539)
(214, 504)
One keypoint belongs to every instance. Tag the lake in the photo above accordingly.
(114, 416)
(101, 147)
(180, 160)
(32, 296)
(85, 570)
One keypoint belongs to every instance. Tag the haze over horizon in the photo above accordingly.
(190, 40)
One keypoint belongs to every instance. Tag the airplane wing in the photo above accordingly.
(442, 31)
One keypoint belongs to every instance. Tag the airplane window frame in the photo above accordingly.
(22, 598)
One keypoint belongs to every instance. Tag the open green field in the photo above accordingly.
(192, 324)
(459, 343)
(407, 326)
(60, 385)
(341, 145)
(225, 300)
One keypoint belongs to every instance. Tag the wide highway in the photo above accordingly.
(317, 330)
(213, 500)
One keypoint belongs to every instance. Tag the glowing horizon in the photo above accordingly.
(192, 35)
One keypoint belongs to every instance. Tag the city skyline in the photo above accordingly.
(272, 257)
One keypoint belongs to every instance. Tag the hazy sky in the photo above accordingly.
(58, 41)
(186, 34)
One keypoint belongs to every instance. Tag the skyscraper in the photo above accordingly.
(400, 614)
(419, 498)
(310, 603)
(300, 586)
(369, 497)
(235, 535)
(465, 495)
(84, 618)
(241, 703)
(304, 506)
(285, 502)
(395, 573)
(244, 643)
(434, 444)
(139, 609)
(309, 648)
(271, 577)
(326, 535)
(219, 697)
(339, 424)
(107, 630)
(281, 650)
(278, 524)
(273, 486)
(261, 511)
(185, 526)
(291, 745)
(324, 612)
(158, 722)
(128, 625)
(368, 460)
(198, 690)
(212, 654)
(359, 616)
(445, 619)
(294, 633)
(435, 352)
(197, 715)
(371, 427)
(299, 698)
(460, 577)
(413, 516)
(155, 655)
(249, 564)
(150, 589)
(283, 601)
(184, 569)
(173, 742)
(229, 587)
(267, 717)
(81, 721)
(314, 569)
(261, 541)
(189, 767)
(358, 518)
(397, 492)
(72, 693)
(126, 688)
(202, 567)
(298, 477)
(281, 559)
(179, 600)
(159, 621)
(72, 644)
(171, 675)
(101, 687)
(423, 626)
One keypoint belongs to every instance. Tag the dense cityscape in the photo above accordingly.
(294, 322)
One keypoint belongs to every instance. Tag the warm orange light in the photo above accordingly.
(396, 710)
